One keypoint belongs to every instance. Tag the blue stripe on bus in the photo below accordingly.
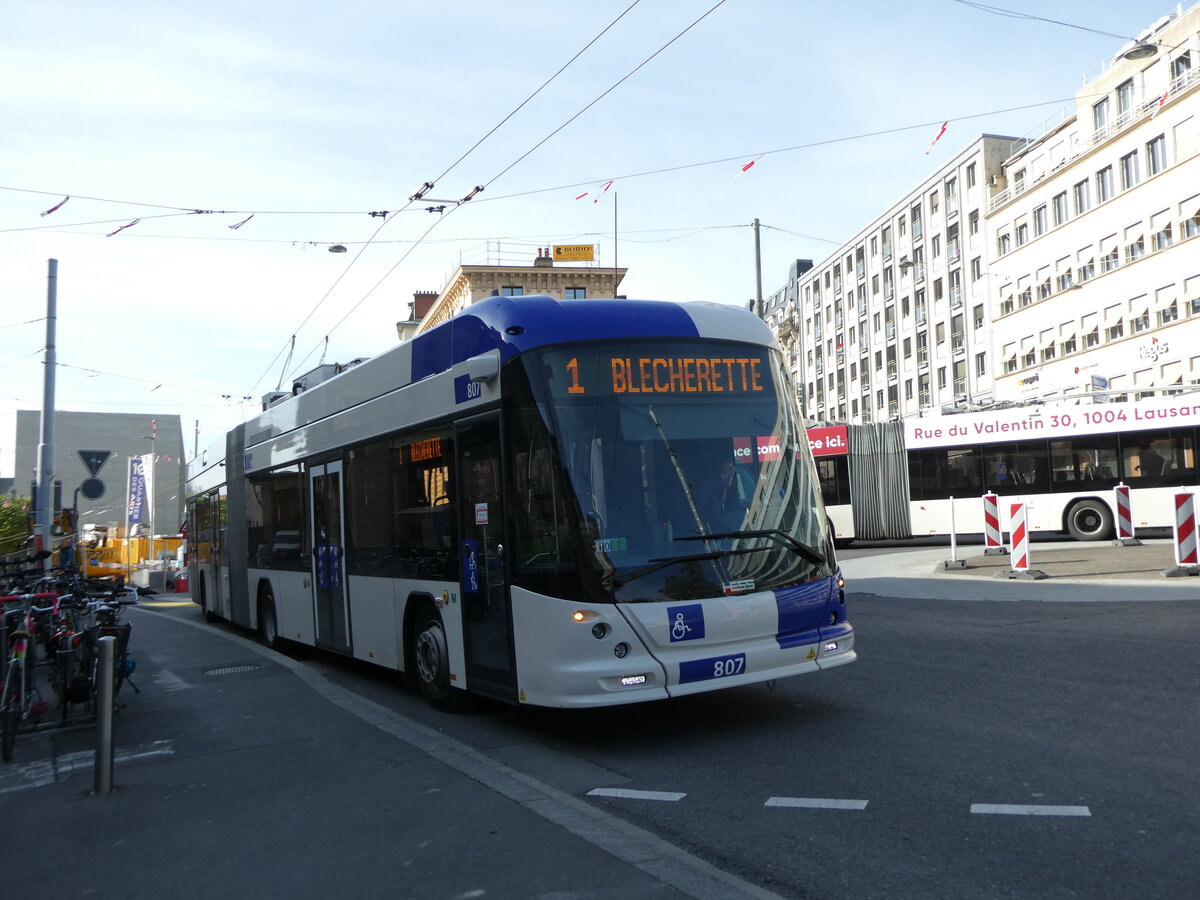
(542, 321)
(801, 611)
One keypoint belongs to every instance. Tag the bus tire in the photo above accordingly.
(268, 623)
(1090, 520)
(431, 662)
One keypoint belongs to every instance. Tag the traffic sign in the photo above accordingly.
(1099, 383)
(94, 460)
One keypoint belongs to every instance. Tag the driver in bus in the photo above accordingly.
(732, 496)
(1150, 464)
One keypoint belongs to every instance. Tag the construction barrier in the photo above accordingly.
(1125, 535)
(1019, 555)
(991, 524)
(1185, 530)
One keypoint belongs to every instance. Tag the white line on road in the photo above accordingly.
(816, 803)
(665, 796)
(1015, 809)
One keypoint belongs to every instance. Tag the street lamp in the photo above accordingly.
(152, 437)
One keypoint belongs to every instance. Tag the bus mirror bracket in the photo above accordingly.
(483, 368)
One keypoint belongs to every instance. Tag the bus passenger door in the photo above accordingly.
(328, 557)
(487, 620)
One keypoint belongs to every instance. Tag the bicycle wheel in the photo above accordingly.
(10, 709)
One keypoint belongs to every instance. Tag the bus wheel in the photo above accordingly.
(431, 660)
(1090, 520)
(268, 625)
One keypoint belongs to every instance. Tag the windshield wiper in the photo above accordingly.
(809, 553)
(663, 562)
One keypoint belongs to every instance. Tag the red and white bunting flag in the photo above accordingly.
(58, 205)
(937, 137)
(748, 166)
(123, 227)
(243, 222)
(1157, 109)
(600, 192)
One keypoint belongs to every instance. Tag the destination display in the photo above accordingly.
(593, 373)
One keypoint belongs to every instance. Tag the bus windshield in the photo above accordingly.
(683, 471)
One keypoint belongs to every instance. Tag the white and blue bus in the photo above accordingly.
(564, 504)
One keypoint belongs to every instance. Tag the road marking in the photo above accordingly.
(1016, 809)
(665, 796)
(816, 803)
(39, 774)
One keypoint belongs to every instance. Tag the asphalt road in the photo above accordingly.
(975, 750)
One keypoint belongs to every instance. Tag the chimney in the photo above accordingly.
(422, 302)
(543, 260)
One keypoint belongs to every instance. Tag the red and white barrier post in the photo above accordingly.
(992, 544)
(1187, 558)
(1019, 553)
(1125, 536)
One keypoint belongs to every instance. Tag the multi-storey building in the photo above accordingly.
(895, 321)
(1096, 271)
(1023, 266)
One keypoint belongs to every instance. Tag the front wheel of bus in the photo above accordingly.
(1090, 520)
(431, 660)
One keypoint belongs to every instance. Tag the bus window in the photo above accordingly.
(940, 472)
(1159, 457)
(1013, 468)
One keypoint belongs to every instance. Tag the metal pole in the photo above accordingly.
(616, 266)
(758, 306)
(102, 783)
(953, 534)
(45, 467)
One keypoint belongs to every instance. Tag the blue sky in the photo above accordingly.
(312, 115)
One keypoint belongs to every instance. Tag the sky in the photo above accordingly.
(169, 125)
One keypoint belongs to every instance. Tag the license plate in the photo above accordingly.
(714, 667)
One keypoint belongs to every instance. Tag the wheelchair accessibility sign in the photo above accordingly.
(686, 622)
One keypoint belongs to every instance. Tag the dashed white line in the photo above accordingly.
(626, 794)
(816, 803)
(1016, 809)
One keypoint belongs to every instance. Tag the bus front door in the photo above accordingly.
(487, 620)
(328, 557)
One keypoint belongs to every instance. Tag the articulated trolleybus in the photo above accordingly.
(567, 504)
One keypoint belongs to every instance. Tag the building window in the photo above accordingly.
(1022, 235)
(973, 222)
(1182, 64)
(1039, 221)
(1168, 314)
(1082, 198)
(933, 202)
(511, 291)
(976, 268)
(576, 293)
(1092, 338)
(1156, 155)
(977, 316)
(980, 364)
(1100, 115)
(1068, 346)
(1004, 244)
(1060, 208)
(1135, 249)
(941, 382)
(1162, 239)
(1124, 97)
(1104, 184)
(971, 175)
(1129, 170)
(1114, 332)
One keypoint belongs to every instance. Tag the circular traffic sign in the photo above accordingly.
(92, 488)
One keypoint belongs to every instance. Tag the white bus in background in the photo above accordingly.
(1061, 461)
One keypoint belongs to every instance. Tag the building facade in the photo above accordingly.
(1024, 266)
(470, 284)
(106, 442)
(1094, 227)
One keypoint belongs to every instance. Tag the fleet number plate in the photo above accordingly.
(715, 667)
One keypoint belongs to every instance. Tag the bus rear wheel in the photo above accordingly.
(431, 661)
(268, 625)
(1090, 520)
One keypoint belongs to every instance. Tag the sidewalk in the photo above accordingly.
(240, 772)
(1076, 571)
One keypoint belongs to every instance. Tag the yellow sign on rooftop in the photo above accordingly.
(574, 252)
